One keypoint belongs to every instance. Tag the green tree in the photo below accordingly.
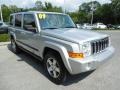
(87, 7)
(14, 8)
(5, 12)
(85, 11)
(104, 14)
(79, 17)
(39, 5)
(48, 7)
(116, 10)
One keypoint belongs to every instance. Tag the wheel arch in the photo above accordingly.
(59, 49)
(12, 36)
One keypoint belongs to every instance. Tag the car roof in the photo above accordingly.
(35, 12)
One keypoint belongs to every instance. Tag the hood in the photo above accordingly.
(73, 34)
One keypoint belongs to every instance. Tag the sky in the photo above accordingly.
(70, 5)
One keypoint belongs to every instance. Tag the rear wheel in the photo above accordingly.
(55, 67)
(14, 46)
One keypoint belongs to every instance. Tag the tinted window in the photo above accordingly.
(11, 20)
(18, 20)
(29, 22)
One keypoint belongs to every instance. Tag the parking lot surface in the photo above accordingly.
(23, 72)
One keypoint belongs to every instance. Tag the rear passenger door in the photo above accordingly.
(20, 34)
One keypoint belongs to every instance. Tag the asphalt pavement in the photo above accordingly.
(23, 72)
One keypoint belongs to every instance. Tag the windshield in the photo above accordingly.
(54, 21)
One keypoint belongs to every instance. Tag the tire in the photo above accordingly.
(54, 67)
(14, 46)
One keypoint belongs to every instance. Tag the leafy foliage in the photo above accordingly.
(4, 37)
(107, 13)
(87, 7)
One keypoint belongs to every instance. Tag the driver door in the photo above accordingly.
(31, 33)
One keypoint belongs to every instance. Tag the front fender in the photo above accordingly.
(62, 51)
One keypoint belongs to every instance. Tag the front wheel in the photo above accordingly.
(55, 67)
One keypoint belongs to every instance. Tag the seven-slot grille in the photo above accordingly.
(99, 45)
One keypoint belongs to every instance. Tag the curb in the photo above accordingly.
(4, 43)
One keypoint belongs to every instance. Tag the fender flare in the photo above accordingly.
(62, 51)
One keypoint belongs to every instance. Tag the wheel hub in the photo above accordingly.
(53, 67)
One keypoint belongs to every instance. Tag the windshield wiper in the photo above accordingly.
(69, 27)
(50, 28)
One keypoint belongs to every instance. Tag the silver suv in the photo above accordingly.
(54, 39)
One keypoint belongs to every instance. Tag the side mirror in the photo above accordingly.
(30, 28)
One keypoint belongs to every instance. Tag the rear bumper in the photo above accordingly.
(90, 63)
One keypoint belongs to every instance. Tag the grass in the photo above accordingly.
(4, 37)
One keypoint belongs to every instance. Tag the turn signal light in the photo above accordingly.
(76, 55)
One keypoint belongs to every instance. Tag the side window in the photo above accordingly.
(18, 20)
(29, 22)
(11, 20)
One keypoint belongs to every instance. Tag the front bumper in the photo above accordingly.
(91, 62)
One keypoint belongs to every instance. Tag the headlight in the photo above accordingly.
(86, 48)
